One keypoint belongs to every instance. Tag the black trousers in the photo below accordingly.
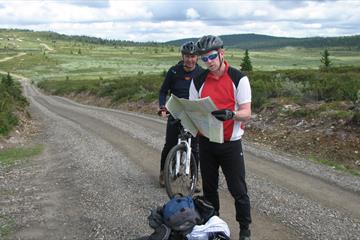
(229, 156)
(171, 139)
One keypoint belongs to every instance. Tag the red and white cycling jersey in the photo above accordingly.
(225, 95)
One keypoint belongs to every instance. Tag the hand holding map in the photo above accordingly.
(195, 116)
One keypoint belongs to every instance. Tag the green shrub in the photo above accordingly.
(304, 113)
(259, 94)
(304, 85)
(105, 89)
(337, 114)
(11, 100)
(356, 118)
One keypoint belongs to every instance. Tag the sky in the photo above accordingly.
(165, 20)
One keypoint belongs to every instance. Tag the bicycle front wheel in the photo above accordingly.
(176, 179)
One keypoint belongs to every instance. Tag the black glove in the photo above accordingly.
(223, 114)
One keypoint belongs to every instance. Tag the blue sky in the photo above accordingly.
(163, 20)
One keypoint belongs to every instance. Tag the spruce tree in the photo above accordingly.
(325, 59)
(246, 62)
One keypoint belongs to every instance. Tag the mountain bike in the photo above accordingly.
(181, 171)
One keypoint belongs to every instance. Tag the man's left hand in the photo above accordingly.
(223, 114)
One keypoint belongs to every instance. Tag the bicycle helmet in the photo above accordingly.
(188, 48)
(208, 43)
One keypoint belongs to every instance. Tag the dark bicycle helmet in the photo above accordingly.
(188, 48)
(208, 43)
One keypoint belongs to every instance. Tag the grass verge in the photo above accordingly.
(336, 166)
(9, 156)
(6, 226)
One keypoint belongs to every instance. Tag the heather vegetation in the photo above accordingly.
(335, 84)
(11, 102)
(121, 89)
(298, 86)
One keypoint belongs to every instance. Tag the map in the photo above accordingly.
(195, 116)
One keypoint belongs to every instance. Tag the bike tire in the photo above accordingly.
(180, 184)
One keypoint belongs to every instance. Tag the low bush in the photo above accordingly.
(128, 88)
(11, 101)
(337, 84)
(306, 85)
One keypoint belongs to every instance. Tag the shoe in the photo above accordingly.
(161, 233)
(245, 235)
(198, 186)
(161, 179)
(245, 238)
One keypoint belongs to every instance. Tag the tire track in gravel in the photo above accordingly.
(287, 203)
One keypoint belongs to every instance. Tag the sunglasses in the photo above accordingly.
(209, 57)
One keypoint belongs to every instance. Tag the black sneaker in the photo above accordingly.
(245, 238)
(245, 235)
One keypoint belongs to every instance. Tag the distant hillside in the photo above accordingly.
(256, 41)
(50, 36)
(243, 41)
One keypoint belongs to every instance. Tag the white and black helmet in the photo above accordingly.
(188, 48)
(208, 43)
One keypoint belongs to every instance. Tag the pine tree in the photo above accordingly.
(325, 59)
(7, 80)
(246, 62)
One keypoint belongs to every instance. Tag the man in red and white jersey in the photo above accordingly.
(230, 91)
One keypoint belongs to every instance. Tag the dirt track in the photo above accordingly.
(98, 178)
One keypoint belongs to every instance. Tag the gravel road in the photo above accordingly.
(97, 179)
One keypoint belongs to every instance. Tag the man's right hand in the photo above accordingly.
(163, 112)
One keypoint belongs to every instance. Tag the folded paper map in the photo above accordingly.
(195, 116)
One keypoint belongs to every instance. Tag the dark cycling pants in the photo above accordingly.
(171, 139)
(228, 156)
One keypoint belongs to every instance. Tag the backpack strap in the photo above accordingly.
(235, 75)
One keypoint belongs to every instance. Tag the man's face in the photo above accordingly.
(212, 60)
(189, 60)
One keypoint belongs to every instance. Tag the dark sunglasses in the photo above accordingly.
(209, 57)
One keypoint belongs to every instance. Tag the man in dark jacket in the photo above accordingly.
(177, 82)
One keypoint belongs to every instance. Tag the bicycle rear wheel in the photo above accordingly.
(180, 183)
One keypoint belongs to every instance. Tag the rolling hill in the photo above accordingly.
(239, 41)
(256, 41)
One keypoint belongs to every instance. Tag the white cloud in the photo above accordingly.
(160, 20)
(56, 11)
(192, 13)
(260, 13)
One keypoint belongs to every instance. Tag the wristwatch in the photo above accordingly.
(234, 112)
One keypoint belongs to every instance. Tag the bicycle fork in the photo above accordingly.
(187, 157)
